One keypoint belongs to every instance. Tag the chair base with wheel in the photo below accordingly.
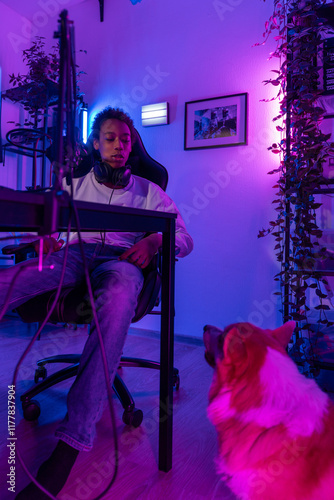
(131, 415)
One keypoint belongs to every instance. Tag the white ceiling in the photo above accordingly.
(29, 8)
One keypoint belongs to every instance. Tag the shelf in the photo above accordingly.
(36, 95)
(20, 151)
(323, 272)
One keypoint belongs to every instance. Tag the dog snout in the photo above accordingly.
(213, 348)
(209, 343)
(207, 328)
(206, 336)
(213, 331)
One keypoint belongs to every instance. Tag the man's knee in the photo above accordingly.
(125, 279)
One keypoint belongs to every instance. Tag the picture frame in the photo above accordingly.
(216, 122)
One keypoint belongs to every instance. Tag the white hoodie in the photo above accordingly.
(139, 193)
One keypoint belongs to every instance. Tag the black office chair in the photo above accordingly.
(74, 300)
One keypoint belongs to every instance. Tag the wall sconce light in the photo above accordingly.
(84, 122)
(155, 114)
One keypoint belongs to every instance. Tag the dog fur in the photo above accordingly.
(275, 427)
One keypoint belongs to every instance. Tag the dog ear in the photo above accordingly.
(284, 333)
(234, 345)
(235, 360)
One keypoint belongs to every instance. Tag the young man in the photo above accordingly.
(115, 262)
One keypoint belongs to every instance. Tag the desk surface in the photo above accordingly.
(29, 211)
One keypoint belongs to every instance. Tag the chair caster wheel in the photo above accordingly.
(40, 374)
(176, 382)
(133, 418)
(31, 410)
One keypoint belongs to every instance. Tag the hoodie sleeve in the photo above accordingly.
(159, 200)
(183, 241)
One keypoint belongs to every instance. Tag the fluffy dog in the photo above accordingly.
(275, 427)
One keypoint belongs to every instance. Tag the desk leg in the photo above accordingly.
(167, 349)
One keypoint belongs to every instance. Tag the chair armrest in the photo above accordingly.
(21, 251)
(17, 249)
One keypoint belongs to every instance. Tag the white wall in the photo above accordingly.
(196, 51)
(13, 173)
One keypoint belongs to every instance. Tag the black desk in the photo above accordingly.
(26, 211)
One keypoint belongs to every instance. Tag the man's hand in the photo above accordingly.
(49, 245)
(141, 253)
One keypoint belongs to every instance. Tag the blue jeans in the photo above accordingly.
(116, 286)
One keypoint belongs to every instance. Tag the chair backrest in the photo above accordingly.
(142, 164)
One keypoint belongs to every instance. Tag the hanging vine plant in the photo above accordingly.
(299, 28)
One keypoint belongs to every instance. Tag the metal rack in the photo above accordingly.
(325, 187)
(25, 141)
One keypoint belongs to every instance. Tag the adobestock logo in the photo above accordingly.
(219, 180)
(129, 441)
(290, 453)
(226, 6)
(138, 94)
(262, 310)
(48, 9)
(51, 344)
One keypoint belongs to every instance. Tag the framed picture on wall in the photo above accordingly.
(216, 122)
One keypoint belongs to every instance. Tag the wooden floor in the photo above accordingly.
(193, 474)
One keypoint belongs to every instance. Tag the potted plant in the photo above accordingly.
(38, 89)
(298, 28)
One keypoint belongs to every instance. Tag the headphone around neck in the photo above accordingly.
(117, 176)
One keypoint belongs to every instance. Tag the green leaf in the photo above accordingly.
(298, 317)
(320, 294)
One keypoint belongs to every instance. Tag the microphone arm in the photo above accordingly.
(66, 112)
